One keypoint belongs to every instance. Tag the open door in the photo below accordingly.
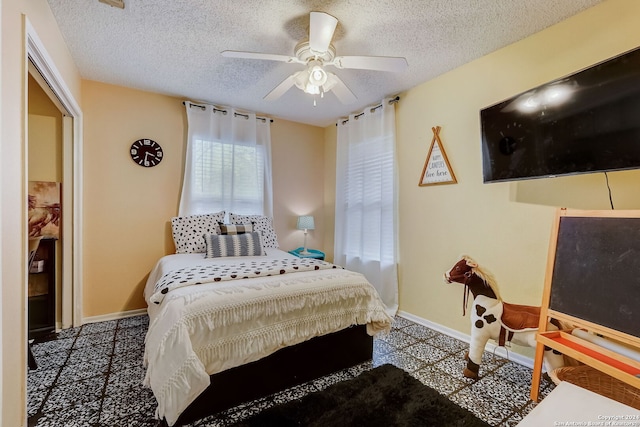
(44, 72)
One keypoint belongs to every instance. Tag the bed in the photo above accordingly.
(239, 321)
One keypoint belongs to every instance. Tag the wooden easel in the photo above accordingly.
(579, 293)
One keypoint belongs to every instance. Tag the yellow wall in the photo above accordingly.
(13, 178)
(127, 208)
(45, 136)
(297, 156)
(505, 226)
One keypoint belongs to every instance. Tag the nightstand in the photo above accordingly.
(313, 253)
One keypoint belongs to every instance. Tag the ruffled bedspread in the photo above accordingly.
(202, 330)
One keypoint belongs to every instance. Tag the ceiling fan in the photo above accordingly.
(316, 54)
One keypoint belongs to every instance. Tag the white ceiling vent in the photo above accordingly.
(114, 3)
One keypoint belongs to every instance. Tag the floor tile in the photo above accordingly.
(399, 339)
(91, 376)
(381, 347)
(83, 370)
(478, 401)
(294, 393)
(125, 403)
(68, 333)
(51, 360)
(98, 327)
(425, 352)
(447, 343)
(41, 378)
(94, 340)
(401, 360)
(91, 352)
(123, 378)
(401, 322)
(54, 345)
(419, 331)
(81, 415)
(439, 380)
(73, 393)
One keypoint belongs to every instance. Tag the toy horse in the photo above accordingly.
(493, 318)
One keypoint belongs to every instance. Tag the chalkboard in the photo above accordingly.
(596, 273)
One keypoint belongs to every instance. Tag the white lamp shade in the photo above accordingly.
(306, 222)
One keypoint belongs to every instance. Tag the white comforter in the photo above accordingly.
(200, 330)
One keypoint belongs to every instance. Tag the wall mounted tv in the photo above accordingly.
(586, 122)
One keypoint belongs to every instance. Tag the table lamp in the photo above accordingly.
(305, 223)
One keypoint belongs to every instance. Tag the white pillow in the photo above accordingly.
(262, 224)
(188, 231)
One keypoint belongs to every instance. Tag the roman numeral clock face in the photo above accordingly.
(146, 152)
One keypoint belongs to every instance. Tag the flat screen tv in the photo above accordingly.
(582, 123)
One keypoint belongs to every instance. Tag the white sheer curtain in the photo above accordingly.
(366, 199)
(228, 162)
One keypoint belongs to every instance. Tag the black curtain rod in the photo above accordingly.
(224, 112)
(372, 109)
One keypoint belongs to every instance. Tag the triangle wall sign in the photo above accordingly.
(437, 169)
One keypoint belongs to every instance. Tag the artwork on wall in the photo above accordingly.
(44, 209)
(437, 169)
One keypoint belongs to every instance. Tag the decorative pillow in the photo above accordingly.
(247, 244)
(235, 228)
(188, 230)
(261, 224)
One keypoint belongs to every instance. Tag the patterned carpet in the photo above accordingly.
(91, 376)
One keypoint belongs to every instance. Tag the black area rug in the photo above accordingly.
(384, 396)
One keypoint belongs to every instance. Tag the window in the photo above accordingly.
(228, 164)
(366, 200)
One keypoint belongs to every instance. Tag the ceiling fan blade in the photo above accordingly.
(279, 90)
(337, 86)
(258, 55)
(321, 28)
(377, 63)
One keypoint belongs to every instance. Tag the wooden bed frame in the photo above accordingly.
(285, 368)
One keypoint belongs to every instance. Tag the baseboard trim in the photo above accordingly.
(491, 348)
(114, 316)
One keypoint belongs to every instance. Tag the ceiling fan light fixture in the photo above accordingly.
(312, 89)
(300, 79)
(311, 79)
(330, 83)
(317, 76)
(302, 82)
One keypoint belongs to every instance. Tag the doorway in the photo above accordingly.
(48, 80)
(45, 214)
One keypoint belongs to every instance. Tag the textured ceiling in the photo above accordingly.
(173, 47)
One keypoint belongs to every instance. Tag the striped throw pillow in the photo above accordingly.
(247, 244)
(235, 228)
